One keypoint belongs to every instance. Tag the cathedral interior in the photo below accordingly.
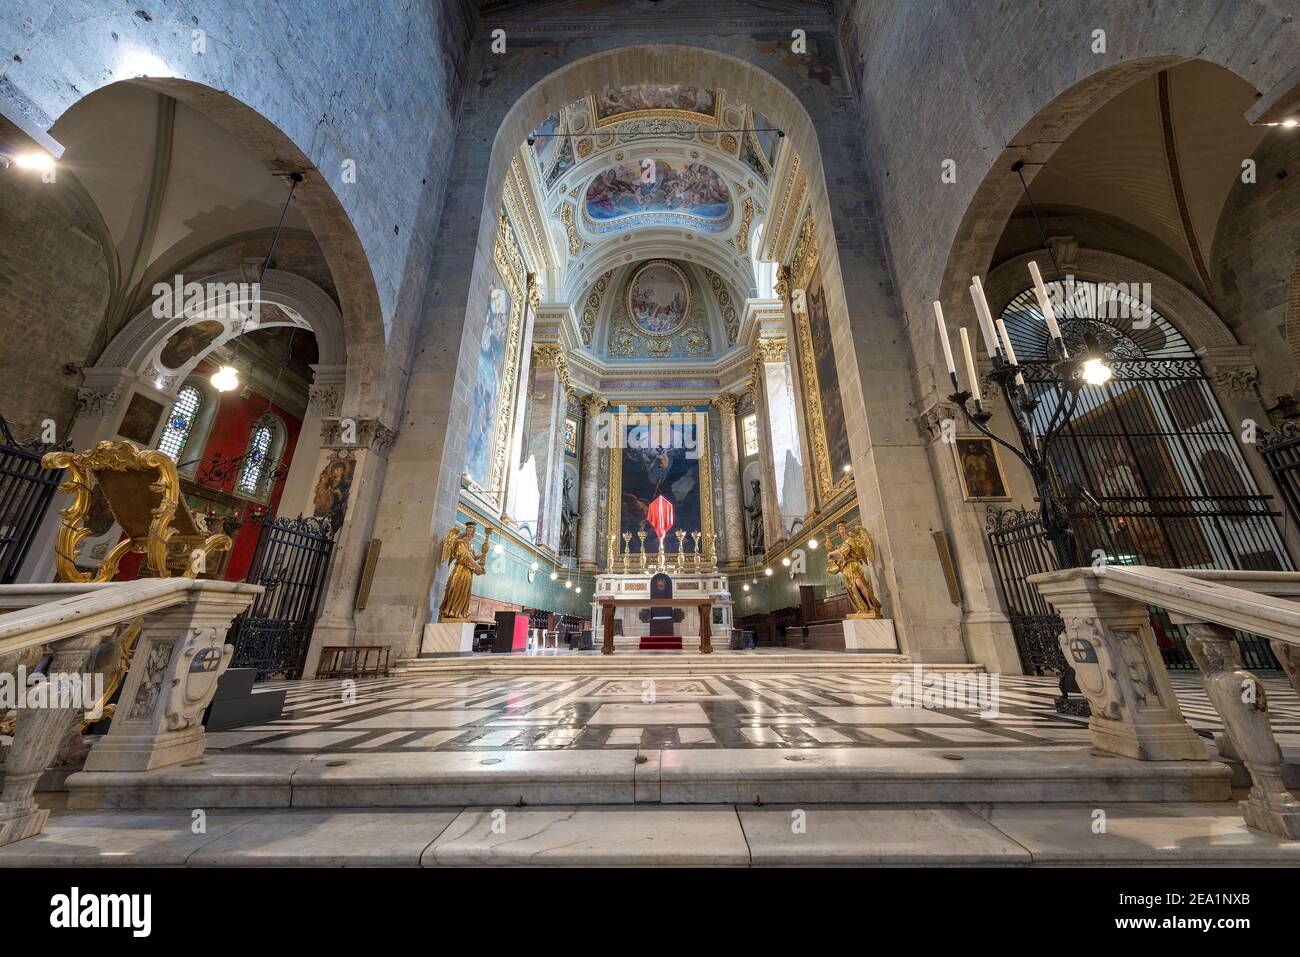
(496, 360)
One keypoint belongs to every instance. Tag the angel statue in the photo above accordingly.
(458, 550)
(851, 560)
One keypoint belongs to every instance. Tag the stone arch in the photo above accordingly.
(999, 191)
(1198, 323)
(364, 325)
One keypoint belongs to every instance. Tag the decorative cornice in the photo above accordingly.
(371, 435)
(95, 402)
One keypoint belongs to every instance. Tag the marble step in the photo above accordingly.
(679, 776)
(661, 663)
(1008, 835)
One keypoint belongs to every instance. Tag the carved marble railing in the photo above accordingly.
(180, 653)
(1108, 640)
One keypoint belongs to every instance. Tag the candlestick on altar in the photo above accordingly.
(695, 537)
(612, 550)
(681, 556)
(641, 537)
(663, 560)
(627, 541)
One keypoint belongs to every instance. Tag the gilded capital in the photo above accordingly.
(772, 350)
(547, 355)
(725, 403)
(594, 404)
(782, 285)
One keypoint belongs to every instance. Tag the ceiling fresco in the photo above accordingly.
(657, 192)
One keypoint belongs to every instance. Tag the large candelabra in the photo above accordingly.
(1035, 437)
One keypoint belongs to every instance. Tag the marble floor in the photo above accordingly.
(413, 714)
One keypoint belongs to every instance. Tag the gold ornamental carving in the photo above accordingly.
(458, 551)
(592, 308)
(851, 560)
(570, 229)
(725, 403)
(772, 350)
(157, 522)
(510, 266)
(746, 216)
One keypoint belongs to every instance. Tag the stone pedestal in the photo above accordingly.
(870, 634)
(179, 658)
(1108, 641)
(447, 638)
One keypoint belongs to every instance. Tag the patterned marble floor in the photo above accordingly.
(404, 714)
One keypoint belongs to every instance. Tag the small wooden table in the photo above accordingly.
(608, 605)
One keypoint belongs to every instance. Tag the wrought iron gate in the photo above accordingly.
(26, 488)
(1281, 451)
(1152, 447)
(292, 564)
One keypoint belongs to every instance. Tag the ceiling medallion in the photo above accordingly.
(659, 298)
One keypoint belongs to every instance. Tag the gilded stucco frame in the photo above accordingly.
(802, 266)
(614, 511)
(510, 266)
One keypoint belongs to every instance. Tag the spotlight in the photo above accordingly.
(812, 544)
(767, 571)
(36, 161)
(746, 588)
(555, 576)
(568, 584)
(499, 549)
(225, 379)
(848, 467)
(534, 566)
(1291, 123)
(785, 562)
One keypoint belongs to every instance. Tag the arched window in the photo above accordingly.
(257, 467)
(180, 423)
(1152, 444)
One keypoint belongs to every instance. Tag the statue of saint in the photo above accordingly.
(458, 551)
(851, 560)
(567, 514)
(755, 510)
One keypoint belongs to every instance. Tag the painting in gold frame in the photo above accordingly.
(980, 469)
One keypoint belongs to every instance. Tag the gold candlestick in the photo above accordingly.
(695, 537)
(641, 537)
(627, 541)
(609, 557)
(681, 557)
(663, 561)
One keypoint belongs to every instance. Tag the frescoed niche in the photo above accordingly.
(663, 193)
(493, 397)
(659, 313)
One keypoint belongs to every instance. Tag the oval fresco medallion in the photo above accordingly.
(659, 298)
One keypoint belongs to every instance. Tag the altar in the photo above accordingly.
(627, 598)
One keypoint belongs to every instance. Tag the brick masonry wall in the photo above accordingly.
(1256, 263)
(53, 296)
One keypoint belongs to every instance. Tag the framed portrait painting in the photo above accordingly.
(980, 468)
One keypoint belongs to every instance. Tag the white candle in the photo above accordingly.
(1007, 348)
(985, 317)
(1045, 304)
(943, 339)
(970, 365)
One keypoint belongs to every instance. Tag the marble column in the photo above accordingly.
(733, 536)
(773, 524)
(589, 491)
(812, 498)
(548, 405)
(324, 397)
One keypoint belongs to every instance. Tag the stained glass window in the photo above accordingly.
(749, 425)
(180, 423)
(570, 437)
(250, 473)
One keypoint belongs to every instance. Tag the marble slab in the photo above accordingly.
(870, 634)
(592, 837)
(122, 839)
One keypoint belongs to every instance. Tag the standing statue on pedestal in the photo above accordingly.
(458, 551)
(567, 514)
(852, 560)
(755, 510)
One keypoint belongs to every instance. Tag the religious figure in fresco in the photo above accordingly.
(458, 551)
(851, 560)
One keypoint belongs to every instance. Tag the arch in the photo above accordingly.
(266, 440)
(1199, 324)
(138, 346)
(364, 326)
(999, 191)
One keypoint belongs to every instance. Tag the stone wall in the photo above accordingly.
(54, 291)
(1257, 263)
